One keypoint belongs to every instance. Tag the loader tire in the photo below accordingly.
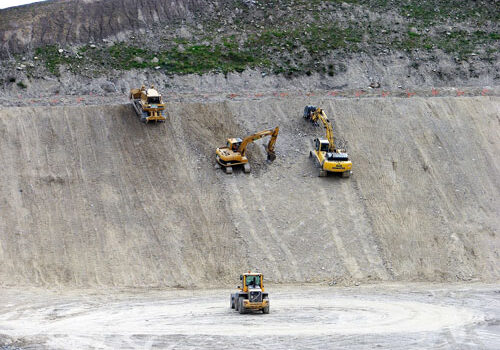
(266, 309)
(346, 174)
(228, 170)
(246, 168)
(322, 173)
(241, 307)
(310, 154)
(231, 301)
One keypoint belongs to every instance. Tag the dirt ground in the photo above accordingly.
(91, 197)
(101, 216)
(410, 316)
(120, 235)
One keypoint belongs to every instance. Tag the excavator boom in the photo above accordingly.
(320, 115)
(257, 136)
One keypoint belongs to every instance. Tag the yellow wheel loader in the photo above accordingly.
(251, 295)
(327, 157)
(234, 154)
(148, 104)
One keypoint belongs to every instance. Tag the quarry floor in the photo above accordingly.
(395, 316)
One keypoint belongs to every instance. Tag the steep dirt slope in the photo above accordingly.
(89, 196)
(73, 21)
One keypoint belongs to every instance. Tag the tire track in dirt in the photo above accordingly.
(241, 210)
(91, 197)
(324, 315)
(269, 223)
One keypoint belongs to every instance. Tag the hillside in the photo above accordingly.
(91, 197)
(352, 43)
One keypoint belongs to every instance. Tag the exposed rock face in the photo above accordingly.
(77, 21)
(366, 40)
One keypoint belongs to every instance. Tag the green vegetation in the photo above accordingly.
(411, 41)
(264, 49)
(459, 43)
(191, 59)
(463, 43)
(52, 58)
(260, 50)
(309, 38)
(430, 12)
(317, 41)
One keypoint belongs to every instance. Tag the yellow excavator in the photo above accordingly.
(234, 154)
(148, 104)
(328, 158)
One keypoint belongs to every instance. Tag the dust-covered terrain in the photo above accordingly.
(324, 43)
(414, 316)
(120, 235)
(91, 197)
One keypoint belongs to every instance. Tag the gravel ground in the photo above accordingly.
(412, 316)
(92, 197)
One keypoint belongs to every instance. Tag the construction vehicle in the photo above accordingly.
(328, 158)
(148, 104)
(250, 296)
(234, 154)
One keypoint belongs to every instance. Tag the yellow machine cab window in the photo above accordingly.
(154, 99)
(253, 280)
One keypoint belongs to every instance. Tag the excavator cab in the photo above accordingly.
(234, 144)
(154, 100)
(153, 97)
(322, 145)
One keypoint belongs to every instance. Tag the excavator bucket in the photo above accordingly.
(271, 155)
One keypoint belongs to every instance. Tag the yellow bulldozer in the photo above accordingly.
(250, 295)
(148, 104)
(234, 154)
(326, 156)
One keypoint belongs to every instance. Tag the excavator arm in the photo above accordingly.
(271, 155)
(319, 114)
(332, 159)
